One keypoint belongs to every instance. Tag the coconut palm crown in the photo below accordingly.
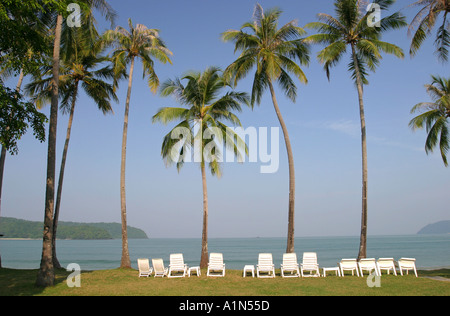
(435, 117)
(424, 22)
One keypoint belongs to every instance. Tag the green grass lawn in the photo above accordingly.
(121, 282)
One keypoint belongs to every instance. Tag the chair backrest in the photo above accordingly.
(143, 264)
(176, 260)
(158, 265)
(215, 259)
(290, 260)
(367, 262)
(265, 259)
(348, 263)
(309, 259)
(407, 262)
(385, 262)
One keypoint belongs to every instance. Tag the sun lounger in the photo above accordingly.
(386, 264)
(177, 267)
(144, 267)
(265, 267)
(310, 264)
(290, 265)
(348, 265)
(367, 264)
(216, 267)
(407, 264)
(158, 267)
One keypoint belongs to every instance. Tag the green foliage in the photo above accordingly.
(15, 118)
(140, 42)
(424, 22)
(19, 228)
(24, 21)
(435, 117)
(350, 28)
(205, 110)
(271, 50)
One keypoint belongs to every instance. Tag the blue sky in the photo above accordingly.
(407, 188)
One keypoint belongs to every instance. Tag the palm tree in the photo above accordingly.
(145, 44)
(424, 22)
(79, 67)
(46, 274)
(204, 111)
(273, 51)
(350, 28)
(436, 116)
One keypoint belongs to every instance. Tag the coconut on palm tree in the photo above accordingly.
(145, 44)
(350, 30)
(202, 128)
(424, 22)
(274, 52)
(435, 117)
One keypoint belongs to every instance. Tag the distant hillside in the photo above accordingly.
(19, 228)
(442, 227)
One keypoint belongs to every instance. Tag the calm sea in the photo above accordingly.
(430, 251)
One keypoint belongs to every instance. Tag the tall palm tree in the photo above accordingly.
(350, 29)
(424, 22)
(78, 68)
(145, 44)
(273, 52)
(46, 274)
(436, 116)
(204, 110)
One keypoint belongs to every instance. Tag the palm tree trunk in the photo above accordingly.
(290, 236)
(125, 261)
(3, 152)
(46, 274)
(204, 255)
(56, 263)
(363, 237)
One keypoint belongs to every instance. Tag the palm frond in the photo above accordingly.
(169, 114)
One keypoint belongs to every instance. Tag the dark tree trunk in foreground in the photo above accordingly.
(46, 274)
(56, 263)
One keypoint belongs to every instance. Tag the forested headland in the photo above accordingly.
(20, 228)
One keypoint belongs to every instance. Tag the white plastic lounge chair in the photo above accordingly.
(310, 264)
(177, 268)
(158, 267)
(144, 267)
(386, 264)
(216, 267)
(348, 265)
(290, 264)
(407, 264)
(265, 265)
(367, 264)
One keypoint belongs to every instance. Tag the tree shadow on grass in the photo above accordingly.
(15, 282)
